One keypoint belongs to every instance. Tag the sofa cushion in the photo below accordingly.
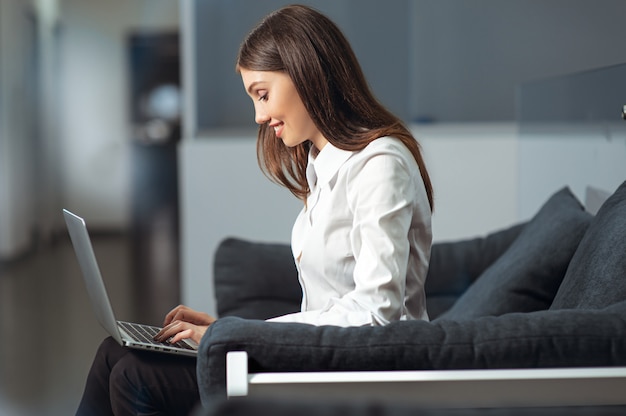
(455, 265)
(549, 338)
(255, 280)
(596, 276)
(527, 276)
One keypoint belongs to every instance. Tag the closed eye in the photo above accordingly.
(263, 97)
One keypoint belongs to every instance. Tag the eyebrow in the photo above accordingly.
(251, 86)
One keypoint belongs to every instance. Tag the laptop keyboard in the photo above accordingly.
(146, 333)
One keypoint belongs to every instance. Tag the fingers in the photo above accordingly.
(174, 314)
(169, 331)
(187, 333)
(179, 330)
(184, 313)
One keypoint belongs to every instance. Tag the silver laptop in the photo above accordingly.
(125, 333)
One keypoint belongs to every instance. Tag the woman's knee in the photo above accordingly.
(151, 382)
(126, 373)
(126, 385)
(110, 351)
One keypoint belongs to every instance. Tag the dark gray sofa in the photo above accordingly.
(547, 293)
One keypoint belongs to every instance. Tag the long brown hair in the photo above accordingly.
(313, 51)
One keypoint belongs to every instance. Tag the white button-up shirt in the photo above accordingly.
(362, 241)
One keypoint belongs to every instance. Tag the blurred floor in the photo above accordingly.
(49, 332)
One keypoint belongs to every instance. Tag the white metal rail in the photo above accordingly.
(445, 388)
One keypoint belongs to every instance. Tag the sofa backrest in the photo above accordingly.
(255, 280)
(259, 280)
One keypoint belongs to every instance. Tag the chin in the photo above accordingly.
(288, 143)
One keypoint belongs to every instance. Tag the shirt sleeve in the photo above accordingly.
(381, 194)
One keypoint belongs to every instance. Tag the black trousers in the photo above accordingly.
(123, 381)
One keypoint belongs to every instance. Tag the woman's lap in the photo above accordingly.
(126, 381)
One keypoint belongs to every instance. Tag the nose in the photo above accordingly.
(260, 116)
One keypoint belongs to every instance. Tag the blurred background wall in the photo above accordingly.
(65, 130)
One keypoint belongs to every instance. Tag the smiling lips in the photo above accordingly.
(278, 128)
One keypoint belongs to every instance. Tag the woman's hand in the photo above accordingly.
(183, 322)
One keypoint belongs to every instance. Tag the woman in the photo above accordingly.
(362, 240)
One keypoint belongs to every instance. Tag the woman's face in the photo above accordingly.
(277, 103)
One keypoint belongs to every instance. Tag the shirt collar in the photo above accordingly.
(324, 165)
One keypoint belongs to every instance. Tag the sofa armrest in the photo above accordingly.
(544, 339)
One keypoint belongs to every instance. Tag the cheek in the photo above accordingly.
(305, 120)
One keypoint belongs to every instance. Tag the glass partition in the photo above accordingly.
(572, 133)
